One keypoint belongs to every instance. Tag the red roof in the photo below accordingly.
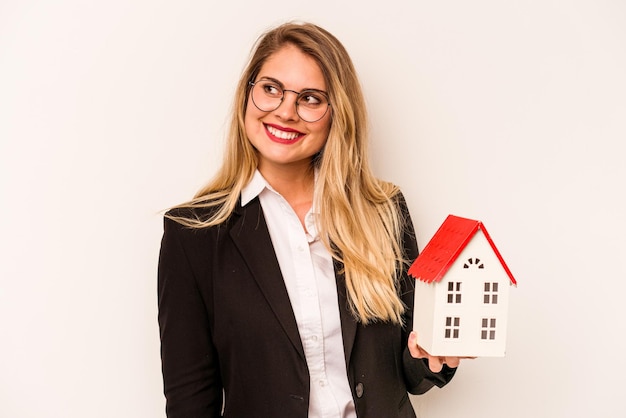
(446, 245)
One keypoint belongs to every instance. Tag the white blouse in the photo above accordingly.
(307, 269)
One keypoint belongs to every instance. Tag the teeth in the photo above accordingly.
(289, 136)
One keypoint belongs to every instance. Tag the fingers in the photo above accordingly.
(435, 363)
(452, 361)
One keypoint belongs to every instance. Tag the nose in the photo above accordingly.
(287, 109)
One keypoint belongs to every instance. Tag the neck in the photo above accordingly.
(295, 186)
(290, 181)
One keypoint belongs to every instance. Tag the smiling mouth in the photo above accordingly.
(285, 136)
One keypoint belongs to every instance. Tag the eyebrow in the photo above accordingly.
(280, 83)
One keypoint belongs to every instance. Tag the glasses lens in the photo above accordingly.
(267, 95)
(311, 105)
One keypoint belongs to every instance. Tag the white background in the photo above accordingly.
(511, 112)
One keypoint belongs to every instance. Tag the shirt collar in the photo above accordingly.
(254, 188)
(258, 183)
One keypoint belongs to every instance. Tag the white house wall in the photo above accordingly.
(423, 313)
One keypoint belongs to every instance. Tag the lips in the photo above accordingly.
(282, 135)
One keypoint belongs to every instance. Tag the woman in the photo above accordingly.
(282, 285)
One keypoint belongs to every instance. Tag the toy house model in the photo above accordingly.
(461, 292)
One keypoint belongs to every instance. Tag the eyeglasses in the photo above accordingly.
(268, 94)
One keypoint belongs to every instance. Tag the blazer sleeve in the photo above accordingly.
(418, 377)
(191, 375)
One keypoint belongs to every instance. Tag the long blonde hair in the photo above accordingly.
(360, 222)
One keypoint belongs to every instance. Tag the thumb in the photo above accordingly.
(414, 349)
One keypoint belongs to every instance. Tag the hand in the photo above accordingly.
(435, 363)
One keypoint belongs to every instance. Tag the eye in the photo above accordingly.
(271, 88)
(312, 98)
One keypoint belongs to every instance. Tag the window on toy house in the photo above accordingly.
(473, 262)
(452, 327)
(454, 292)
(490, 294)
(488, 329)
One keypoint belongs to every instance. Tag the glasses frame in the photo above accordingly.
(297, 93)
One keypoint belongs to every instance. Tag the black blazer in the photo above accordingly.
(229, 340)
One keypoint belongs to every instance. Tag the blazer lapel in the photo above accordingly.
(348, 322)
(251, 236)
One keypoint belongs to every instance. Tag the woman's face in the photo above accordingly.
(281, 137)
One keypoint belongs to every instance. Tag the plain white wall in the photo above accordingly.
(505, 111)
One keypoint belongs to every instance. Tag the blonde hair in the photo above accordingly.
(359, 217)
